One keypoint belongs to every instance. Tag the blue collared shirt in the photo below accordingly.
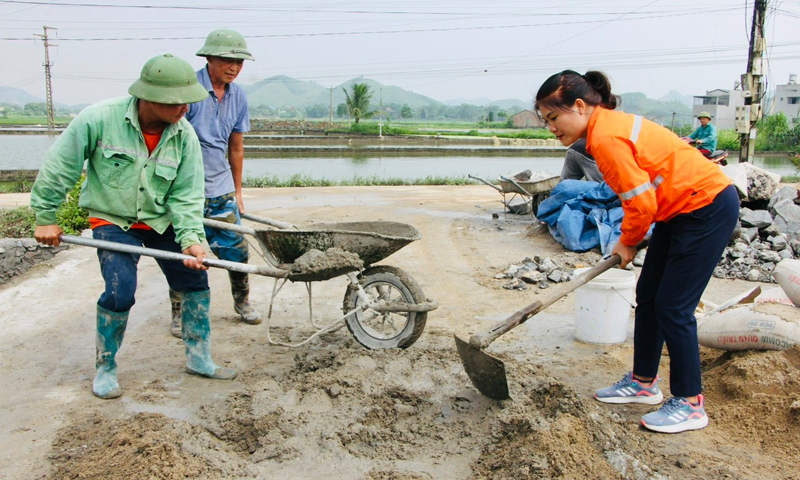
(214, 121)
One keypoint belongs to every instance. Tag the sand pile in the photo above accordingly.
(340, 411)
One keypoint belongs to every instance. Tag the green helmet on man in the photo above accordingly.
(168, 79)
(225, 43)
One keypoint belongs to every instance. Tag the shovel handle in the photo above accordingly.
(164, 255)
(268, 221)
(483, 339)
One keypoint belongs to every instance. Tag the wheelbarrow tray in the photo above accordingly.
(530, 188)
(371, 241)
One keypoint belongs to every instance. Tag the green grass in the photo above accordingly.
(372, 128)
(790, 179)
(274, 181)
(17, 223)
(19, 184)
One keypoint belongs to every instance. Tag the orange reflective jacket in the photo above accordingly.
(656, 174)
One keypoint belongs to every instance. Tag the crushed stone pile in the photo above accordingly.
(542, 271)
(765, 237)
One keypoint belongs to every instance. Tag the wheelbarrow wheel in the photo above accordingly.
(377, 330)
(537, 200)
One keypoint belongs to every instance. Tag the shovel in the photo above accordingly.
(487, 373)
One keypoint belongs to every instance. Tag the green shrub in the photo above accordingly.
(728, 140)
(21, 222)
(17, 223)
(70, 217)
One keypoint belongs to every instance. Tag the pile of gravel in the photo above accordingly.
(765, 237)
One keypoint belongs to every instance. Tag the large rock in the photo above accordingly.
(787, 217)
(761, 184)
(757, 219)
(785, 194)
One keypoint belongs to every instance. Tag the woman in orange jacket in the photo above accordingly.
(663, 180)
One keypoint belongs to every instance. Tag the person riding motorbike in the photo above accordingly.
(705, 139)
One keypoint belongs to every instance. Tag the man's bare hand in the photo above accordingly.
(48, 235)
(199, 255)
(240, 201)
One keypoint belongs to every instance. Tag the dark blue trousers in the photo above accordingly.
(120, 269)
(682, 255)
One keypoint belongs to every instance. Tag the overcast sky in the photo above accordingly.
(445, 49)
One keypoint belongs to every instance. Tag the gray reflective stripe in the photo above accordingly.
(166, 162)
(103, 145)
(657, 181)
(637, 127)
(636, 191)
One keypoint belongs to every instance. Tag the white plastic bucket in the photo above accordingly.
(603, 307)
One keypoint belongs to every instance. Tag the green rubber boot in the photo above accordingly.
(240, 289)
(110, 331)
(197, 336)
(175, 304)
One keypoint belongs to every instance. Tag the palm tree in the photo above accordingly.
(358, 103)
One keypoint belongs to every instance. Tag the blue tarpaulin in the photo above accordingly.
(583, 215)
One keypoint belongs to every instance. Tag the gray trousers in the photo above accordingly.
(577, 166)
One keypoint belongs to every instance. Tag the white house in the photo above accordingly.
(787, 99)
(721, 105)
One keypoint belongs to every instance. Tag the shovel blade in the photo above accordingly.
(487, 373)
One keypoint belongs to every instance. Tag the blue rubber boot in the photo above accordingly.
(110, 331)
(197, 336)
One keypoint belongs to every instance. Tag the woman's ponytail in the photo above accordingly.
(600, 84)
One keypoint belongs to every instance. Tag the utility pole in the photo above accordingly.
(51, 118)
(380, 122)
(752, 85)
(330, 119)
(673, 122)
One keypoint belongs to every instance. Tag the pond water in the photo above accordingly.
(25, 152)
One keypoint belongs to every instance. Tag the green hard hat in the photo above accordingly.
(704, 114)
(225, 43)
(168, 79)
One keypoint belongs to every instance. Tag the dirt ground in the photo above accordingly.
(333, 409)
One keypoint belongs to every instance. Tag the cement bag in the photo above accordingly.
(762, 326)
(787, 274)
(774, 295)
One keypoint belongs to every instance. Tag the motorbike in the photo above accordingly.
(720, 157)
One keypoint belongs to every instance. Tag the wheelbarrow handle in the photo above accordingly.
(164, 255)
(483, 339)
(486, 182)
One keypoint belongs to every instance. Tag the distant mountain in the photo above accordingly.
(656, 110)
(17, 96)
(390, 94)
(286, 92)
(505, 103)
(675, 96)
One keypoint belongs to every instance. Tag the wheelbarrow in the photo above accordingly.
(383, 306)
(532, 193)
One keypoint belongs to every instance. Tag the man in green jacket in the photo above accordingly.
(705, 136)
(144, 187)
